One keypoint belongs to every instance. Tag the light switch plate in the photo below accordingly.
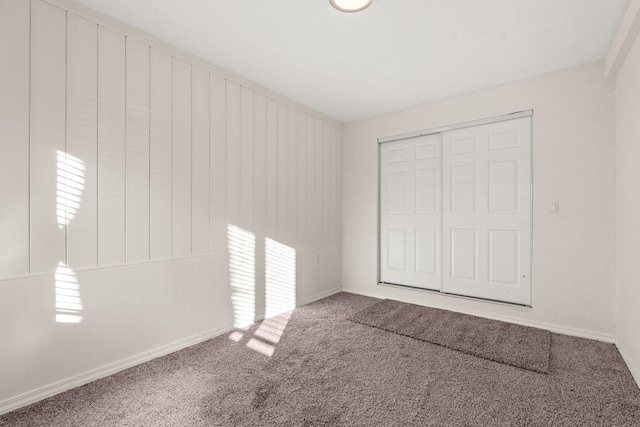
(554, 206)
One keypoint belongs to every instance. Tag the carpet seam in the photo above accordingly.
(547, 360)
(455, 349)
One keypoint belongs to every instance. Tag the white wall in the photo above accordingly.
(628, 208)
(147, 199)
(573, 162)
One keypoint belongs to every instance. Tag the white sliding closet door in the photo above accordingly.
(487, 211)
(410, 212)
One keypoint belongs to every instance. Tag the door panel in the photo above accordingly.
(463, 188)
(410, 212)
(487, 211)
(503, 256)
(396, 255)
(503, 186)
(397, 201)
(426, 191)
(427, 250)
(464, 254)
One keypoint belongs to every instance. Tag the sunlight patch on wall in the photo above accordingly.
(70, 184)
(280, 278)
(242, 275)
(68, 299)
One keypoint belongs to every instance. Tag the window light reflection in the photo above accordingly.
(242, 275)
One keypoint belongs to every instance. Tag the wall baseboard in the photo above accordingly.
(320, 296)
(36, 395)
(633, 368)
(41, 393)
(560, 329)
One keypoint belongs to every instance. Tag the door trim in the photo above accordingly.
(485, 121)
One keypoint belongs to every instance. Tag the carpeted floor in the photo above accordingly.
(327, 370)
(515, 345)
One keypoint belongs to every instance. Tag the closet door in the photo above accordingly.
(487, 211)
(410, 212)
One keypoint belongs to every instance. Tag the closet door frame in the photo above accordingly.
(441, 130)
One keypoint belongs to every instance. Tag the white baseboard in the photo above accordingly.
(41, 393)
(633, 368)
(320, 296)
(560, 329)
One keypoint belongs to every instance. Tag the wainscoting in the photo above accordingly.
(149, 200)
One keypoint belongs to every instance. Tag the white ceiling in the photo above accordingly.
(395, 54)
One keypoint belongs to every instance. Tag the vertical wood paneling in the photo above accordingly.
(338, 198)
(111, 147)
(283, 187)
(200, 233)
(44, 354)
(292, 178)
(188, 299)
(132, 304)
(160, 155)
(333, 173)
(310, 190)
(260, 283)
(260, 196)
(6, 390)
(272, 169)
(88, 341)
(47, 141)
(233, 153)
(91, 340)
(218, 164)
(246, 159)
(150, 313)
(204, 282)
(17, 338)
(223, 313)
(327, 219)
(14, 122)
(260, 175)
(302, 177)
(155, 310)
(181, 158)
(122, 315)
(110, 344)
(82, 145)
(317, 198)
(137, 151)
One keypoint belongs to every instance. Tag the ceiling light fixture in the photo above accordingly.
(350, 5)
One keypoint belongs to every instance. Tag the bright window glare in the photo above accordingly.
(261, 347)
(242, 275)
(272, 329)
(280, 278)
(68, 298)
(236, 336)
(70, 184)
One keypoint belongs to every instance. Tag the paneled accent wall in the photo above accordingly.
(147, 200)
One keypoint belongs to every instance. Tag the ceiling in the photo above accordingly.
(395, 54)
